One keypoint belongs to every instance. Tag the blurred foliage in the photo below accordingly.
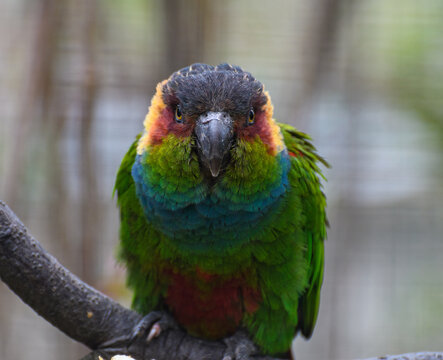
(417, 60)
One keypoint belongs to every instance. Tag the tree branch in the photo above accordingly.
(88, 316)
(75, 308)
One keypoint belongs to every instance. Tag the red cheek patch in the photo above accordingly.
(165, 125)
(262, 129)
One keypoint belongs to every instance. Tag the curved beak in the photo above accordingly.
(214, 132)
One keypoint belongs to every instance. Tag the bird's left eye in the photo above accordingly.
(178, 114)
(251, 117)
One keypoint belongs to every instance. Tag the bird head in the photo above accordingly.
(210, 155)
(213, 115)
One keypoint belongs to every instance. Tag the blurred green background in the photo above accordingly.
(364, 78)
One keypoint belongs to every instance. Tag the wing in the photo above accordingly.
(291, 272)
(137, 239)
(304, 156)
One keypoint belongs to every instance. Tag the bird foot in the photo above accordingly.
(147, 329)
(239, 347)
(152, 325)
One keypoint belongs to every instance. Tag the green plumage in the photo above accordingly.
(280, 257)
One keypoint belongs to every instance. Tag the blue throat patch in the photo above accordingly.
(206, 216)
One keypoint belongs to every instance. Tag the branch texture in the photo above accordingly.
(81, 312)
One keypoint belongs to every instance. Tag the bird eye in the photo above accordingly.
(251, 117)
(178, 114)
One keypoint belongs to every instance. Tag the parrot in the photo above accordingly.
(222, 212)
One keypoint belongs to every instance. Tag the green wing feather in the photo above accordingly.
(138, 239)
(314, 202)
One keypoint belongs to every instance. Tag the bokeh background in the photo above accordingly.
(364, 78)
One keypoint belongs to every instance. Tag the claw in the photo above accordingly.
(154, 332)
(145, 324)
(153, 325)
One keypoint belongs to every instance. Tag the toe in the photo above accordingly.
(152, 325)
(146, 323)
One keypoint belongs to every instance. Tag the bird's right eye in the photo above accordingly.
(178, 115)
(251, 117)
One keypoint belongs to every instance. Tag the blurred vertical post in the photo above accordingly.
(186, 26)
(36, 97)
(317, 50)
(89, 208)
